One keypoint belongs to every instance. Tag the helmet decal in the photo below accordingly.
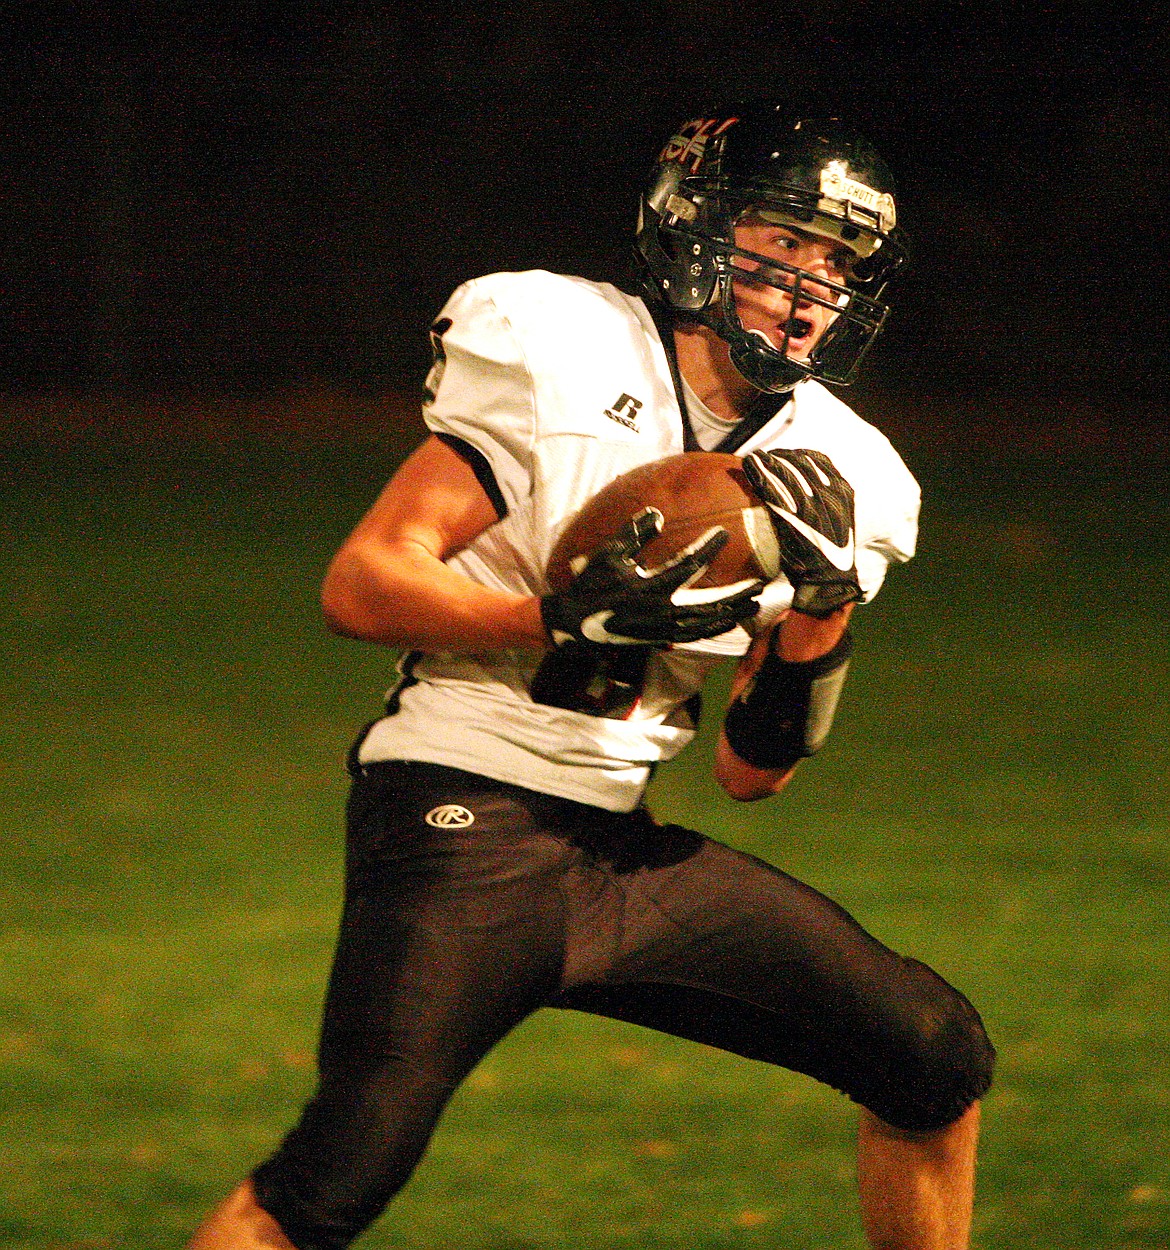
(689, 146)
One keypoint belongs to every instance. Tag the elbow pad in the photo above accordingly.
(786, 711)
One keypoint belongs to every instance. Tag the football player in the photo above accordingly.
(500, 855)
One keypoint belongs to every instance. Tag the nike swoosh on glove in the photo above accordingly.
(812, 512)
(614, 600)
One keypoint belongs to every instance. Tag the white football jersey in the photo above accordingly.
(555, 386)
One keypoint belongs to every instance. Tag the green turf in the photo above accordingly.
(994, 800)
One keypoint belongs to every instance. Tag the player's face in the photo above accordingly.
(769, 310)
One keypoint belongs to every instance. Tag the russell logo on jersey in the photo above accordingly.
(625, 411)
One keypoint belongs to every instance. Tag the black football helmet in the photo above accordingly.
(816, 175)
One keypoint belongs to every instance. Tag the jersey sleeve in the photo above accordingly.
(887, 524)
(479, 394)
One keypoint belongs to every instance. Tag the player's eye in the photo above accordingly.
(842, 263)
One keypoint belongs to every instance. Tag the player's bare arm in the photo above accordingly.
(388, 582)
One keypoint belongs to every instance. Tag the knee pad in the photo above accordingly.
(945, 1065)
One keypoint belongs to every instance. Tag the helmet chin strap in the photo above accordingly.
(763, 407)
(774, 376)
(753, 357)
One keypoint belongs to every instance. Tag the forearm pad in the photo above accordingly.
(786, 711)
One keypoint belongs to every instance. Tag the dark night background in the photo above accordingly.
(223, 240)
(285, 195)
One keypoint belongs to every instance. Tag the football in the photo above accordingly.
(693, 491)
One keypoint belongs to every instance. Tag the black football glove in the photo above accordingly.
(812, 512)
(614, 600)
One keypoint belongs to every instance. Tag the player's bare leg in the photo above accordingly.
(917, 1189)
(240, 1223)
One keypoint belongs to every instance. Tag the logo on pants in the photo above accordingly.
(449, 816)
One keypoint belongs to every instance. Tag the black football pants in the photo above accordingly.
(471, 903)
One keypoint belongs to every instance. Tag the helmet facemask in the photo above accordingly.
(686, 240)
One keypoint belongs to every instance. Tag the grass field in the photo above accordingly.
(994, 801)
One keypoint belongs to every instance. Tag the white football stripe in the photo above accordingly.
(761, 535)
